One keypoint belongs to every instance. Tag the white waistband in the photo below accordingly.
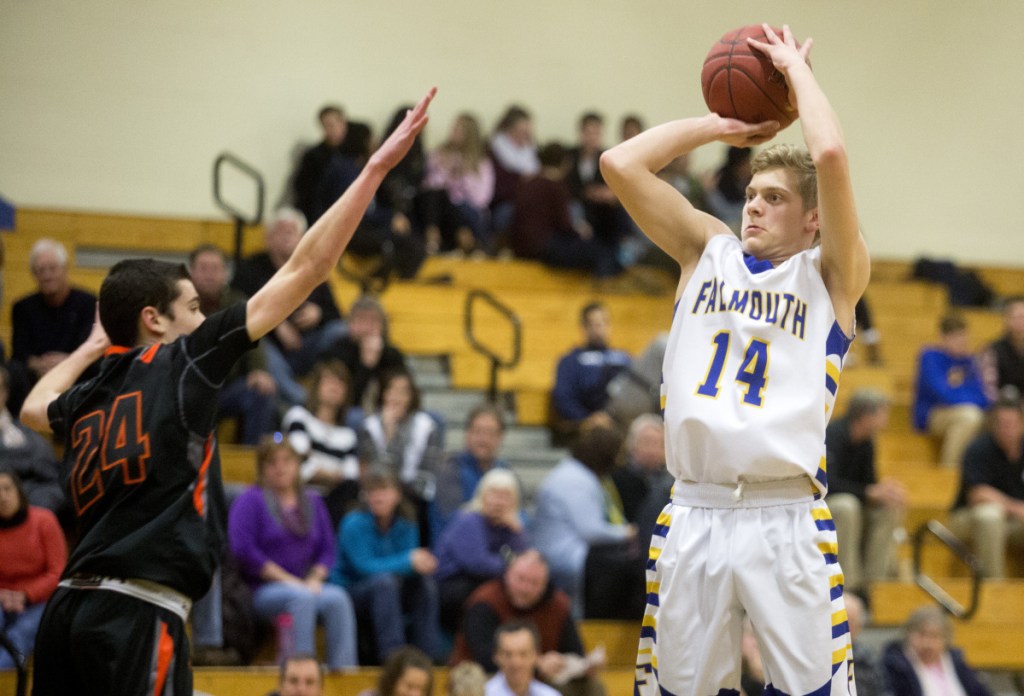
(146, 590)
(745, 494)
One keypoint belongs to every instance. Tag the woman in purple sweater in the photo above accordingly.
(478, 542)
(282, 537)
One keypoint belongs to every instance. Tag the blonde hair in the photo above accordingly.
(495, 479)
(466, 679)
(793, 159)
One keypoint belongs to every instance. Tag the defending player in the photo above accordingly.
(140, 442)
(757, 342)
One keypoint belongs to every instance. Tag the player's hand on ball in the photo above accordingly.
(785, 53)
(741, 134)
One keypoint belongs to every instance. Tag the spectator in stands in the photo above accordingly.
(516, 653)
(250, 392)
(400, 189)
(407, 672)
(866, 510)
(644, 468)
(601, 208)
(34, 552)
(525, 593)
(989, 508)
(514, 154)
(30, 456)
(924, 663)
(477, 543)
(544, 226)
(49, 324)
(678, 175)
(461, 472)
(583, 374)
(870, 675)
(319, 432)
(407, 441)
(459, 187)
(868, 334)
(296, 342)
(1003, 360)
(466, 679)
(727, 188)
(366, 351)
(301, 675)
(576, 518)
(281, 536)
(632, 125)
(308, 178)
(950, 396)
(387, 573)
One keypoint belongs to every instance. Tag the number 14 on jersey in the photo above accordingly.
(752, 375)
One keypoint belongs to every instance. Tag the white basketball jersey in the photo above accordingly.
(751, 369)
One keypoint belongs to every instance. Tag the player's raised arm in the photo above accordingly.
(846, 266)
(664, 214)
(321, 247)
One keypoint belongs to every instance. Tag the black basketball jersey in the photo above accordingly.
(141, 470)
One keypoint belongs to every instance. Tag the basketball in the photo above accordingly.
(740, 82)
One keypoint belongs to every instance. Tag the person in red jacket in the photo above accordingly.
(33, 550)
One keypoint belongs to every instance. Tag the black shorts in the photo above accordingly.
(103, 642)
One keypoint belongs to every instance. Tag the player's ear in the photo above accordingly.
(151, 323)
(812, 222)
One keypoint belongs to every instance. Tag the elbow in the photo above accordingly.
(833, 154)
(613, 163)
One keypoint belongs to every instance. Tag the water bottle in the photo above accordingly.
(285, 625)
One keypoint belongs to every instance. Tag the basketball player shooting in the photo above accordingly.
(759, 333)
(143, 467)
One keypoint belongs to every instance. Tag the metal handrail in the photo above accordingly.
(497, 361)
(20, 664)
(963, 554)
(241, 219)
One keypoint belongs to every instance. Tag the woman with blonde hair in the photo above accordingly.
(477, 544)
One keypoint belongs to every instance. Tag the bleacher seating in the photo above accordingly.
(427, 319)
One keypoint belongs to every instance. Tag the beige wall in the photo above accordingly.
(121, 106)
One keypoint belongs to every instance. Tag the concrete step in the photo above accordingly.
(455, 405)
(517, 437)
(432, 372)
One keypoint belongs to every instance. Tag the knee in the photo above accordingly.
(845, 509)
(988, 517)
(384, 583)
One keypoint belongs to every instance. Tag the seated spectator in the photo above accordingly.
(405, 440)
(293, 346)
(308, 178)
(514, 154)
(866, 510)
(30, 456)
(575, 518)
(281, 536)
(49, 324)
(678, 175)
(727, 189)
(543, 225)
(366, 351)
(320, 433)
(461, 472)
(516, 653)
(1003, 360)
(477, 543)
(382, 232)
(867, 332)
(924, 662)
(249, 392)
(644, 469)
(632, 125)
(950, 396)
(301, 675)
(387, 573)
(600, 206)
(870, 674)
(466, 679)
(458, 190)
(989, 508)
(583, 374)
(525, 593)
(400, 190)
(407, 672)
(34, 552)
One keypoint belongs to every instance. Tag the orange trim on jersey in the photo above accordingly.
(204, 469)
(147, 355)
(116, 350)
(164, 653)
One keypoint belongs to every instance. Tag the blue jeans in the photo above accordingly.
(332, 606)
(256, 410)
(391, 602)
(207, 618)
(21, 630)
(285, 367)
